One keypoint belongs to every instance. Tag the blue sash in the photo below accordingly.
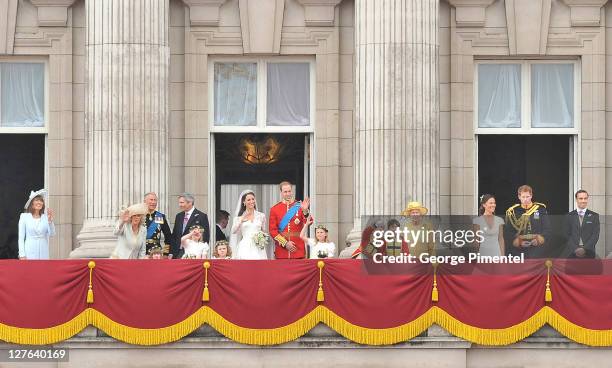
(153, 226)
(290, 213)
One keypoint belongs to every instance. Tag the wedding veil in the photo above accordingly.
(236, 237)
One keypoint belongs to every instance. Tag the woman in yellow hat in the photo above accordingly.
(420, 230)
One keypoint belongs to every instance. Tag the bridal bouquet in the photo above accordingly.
(260, 239)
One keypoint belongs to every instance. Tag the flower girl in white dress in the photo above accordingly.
(193, 244)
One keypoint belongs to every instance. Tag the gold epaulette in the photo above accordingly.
(511, 209)
(540, 204)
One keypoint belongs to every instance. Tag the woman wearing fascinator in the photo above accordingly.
(492, 227)
(248, 239)
(35, 227)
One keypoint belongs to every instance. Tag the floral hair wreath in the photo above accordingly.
(221, 242)
(322, 227)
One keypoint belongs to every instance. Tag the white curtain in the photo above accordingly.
(552, 95)
(267, 195)
(288, 94)
(499, 96)
(235, 94)
(22, 102)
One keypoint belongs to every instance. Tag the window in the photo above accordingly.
(263, 93)
(22, 95)
(526, 96)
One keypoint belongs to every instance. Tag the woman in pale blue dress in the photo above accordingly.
(35, 227)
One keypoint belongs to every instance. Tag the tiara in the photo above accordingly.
(322, 227)
(221, 242)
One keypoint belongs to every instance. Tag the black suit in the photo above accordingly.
(219, 235)
(588, 232)
(197, 218)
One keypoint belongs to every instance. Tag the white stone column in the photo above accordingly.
(396, 107)
(125, 115)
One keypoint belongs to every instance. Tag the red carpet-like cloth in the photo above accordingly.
(270, 302)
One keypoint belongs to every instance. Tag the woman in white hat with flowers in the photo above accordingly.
(131, 233)
(35, 227)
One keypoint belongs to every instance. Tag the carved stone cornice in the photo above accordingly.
(52, 13)
(585, 13)
(470, 13)
(319, 12)
(204, 12)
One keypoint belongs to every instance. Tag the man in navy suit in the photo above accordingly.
(581, 229)
(188, 217)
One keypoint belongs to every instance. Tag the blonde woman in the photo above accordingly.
(320, 246)
(131, 233)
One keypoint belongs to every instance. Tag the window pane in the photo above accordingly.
(235, 94)
(552, 95)
(288, 94)
(499, 96)
(23, 94)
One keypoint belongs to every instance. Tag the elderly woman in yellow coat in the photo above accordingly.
(131, 233)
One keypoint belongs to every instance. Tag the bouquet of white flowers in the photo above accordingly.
(261, 239)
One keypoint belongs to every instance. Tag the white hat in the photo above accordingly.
(33, 194)
(137, 209)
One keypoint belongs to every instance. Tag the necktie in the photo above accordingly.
(185, 221)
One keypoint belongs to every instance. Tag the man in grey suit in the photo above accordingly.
(581, 229)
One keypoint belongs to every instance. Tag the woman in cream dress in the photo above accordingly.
(131, 233)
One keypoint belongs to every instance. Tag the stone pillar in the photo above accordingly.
(125, 115)
(396, 107)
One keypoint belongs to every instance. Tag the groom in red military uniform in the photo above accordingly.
(287, 218)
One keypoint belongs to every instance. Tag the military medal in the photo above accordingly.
(159, 220)
(297, 221)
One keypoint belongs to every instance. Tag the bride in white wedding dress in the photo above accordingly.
(247, 222)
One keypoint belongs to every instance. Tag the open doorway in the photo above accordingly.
(506, 162)
(259, 161)
(23, 169)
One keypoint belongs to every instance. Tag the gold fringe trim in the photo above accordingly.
(320, 314)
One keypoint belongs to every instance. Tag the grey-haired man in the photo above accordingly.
(186, 219)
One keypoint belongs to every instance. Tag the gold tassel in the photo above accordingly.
(434, 291)
(90, 295)
(205, 293)
(320, 294)
(548, 294)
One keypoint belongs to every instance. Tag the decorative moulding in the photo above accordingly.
(261, 23)
(319, 12)
(527, 22)
(585, 13)
(8, 20)
(52, 13)
(470, 13)
(204, 12)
